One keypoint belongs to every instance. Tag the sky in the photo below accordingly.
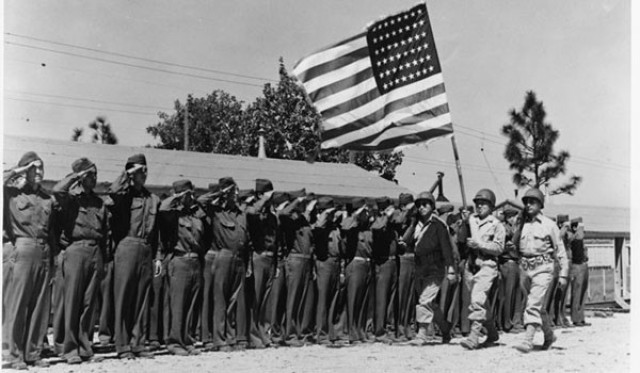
(65, 62)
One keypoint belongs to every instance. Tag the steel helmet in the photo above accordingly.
(428, 197)
(534, 193)
(486, 195)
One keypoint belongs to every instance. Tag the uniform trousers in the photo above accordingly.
(184, 279)
(106, 328)
(536, 283)
(83, 268)
(385, 276)
(206, 311)
(427, 311)
(158, 329)
(28, 299)
(579, 285)
(300, 298)
(482, 283)
(132, 274)
(57, 302)
(262, 278)
(328, 274)
(357, 277)
(277, 303)
(7, 263)
(229, 308)
(406, 297)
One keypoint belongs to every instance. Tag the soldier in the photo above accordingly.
(277, 297)
(85, 232)
(28, 222)
(403, 220)
(182, 228)
(206, 310)
(508, 264)
(539, 246)
(263, 228)
(230, 237)
(328, 252)
(358, 241)
(384, 252)
(434, 260)
(558, 298)
(579, 272)
(487, 243)
(296, 218)
(135, 235)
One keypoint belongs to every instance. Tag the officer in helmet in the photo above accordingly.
(540, 245)
(487, 243)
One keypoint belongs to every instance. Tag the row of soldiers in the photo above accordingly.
(252, 270)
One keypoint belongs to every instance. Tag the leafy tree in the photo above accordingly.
(530, 150)
(102, 132)
(288, 122)
(215, 125)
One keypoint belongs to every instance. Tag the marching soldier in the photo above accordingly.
(28, 222)
(434, 260)
(135, 235)
(540, 246)
(85, 232)
(182, 228)
(487, 243)
(263, 229)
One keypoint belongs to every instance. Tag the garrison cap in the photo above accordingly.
(445, 209)
(27, 158)
(180, 186)
(225, 182)
(279, 197)
(297, 193)
(510, 211)
(561, 218)
(576, 220)
(325, 203)
(82, 164)
(245, 193)
(404, 199)
(214, 187)
(383, 202)
(357, 202)
(263, 185)
(134, 160)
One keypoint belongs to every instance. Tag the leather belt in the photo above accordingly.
(533, 262)
(182, 254)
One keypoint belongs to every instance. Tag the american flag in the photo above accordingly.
(380, 89)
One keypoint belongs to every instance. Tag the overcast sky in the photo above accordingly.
(575, 54)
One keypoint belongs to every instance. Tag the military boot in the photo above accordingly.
(422, 338)
(527, 344)
(492, 334)
(472, 340)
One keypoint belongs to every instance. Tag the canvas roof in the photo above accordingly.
(166, 166)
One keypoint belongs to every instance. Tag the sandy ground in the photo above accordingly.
(602, 347)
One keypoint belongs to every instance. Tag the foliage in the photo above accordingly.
(102, 132)
(530, 150)
(288, 122)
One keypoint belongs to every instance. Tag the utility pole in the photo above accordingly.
(186, 124)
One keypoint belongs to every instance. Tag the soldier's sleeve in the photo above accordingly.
(445, 244)
(154, 235)
(561, 253)
(61, 189)
(495, 247)
(7, 175)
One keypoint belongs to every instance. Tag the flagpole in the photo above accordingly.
(459, 169)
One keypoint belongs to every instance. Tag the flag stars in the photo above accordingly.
(397, 81)
(415, 63)
(431, 68)
(404, 78)
(411, 76)
(418, 73)
(407, 28)
(428, 57)
(424, 71)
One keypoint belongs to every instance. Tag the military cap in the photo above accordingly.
(226, 182)
(452, 218)
(180, 186)
(325, 203)
(279, 197)
(509, 211)
(404, 199)
(214, 187)
(263, 185)
(27, 158)
(82, 164)
(297, 193)
(447, 207)
(134, 160)
(576, 220)
(245, 193)
(562, 218)
(357, 202)
(383, 203)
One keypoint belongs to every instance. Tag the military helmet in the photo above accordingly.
(534, 193)
(486, 195)
(426, 196)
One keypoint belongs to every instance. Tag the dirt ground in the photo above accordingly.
(602, 347)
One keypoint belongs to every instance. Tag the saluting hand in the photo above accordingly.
(23, 169)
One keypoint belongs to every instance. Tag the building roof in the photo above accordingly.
(166, 166)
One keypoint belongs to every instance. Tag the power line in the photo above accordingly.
(131, 65)
(88, 100)
(81, 107)
(141, 58)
